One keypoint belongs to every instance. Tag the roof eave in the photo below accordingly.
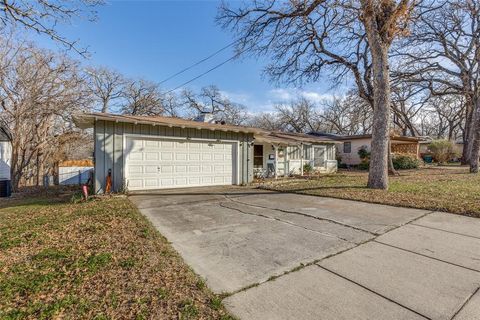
(86, 120)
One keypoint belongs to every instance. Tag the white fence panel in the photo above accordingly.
(74, 175)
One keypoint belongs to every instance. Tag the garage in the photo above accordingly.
(135, 153)
(156, 163)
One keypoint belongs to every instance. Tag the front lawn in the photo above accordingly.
(94, 260)
(443, 189)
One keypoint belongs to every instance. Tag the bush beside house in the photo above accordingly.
(442, 150)
(403, 161)
(364, 155)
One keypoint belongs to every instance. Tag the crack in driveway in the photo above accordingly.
(305, 215)
(284, 221)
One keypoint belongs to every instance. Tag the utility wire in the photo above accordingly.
(208, 71)
(199, 62)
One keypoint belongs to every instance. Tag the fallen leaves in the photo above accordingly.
(452, 190)
(99, 259)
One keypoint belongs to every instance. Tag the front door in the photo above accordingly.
(319, 157)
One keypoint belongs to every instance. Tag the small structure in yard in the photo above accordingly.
(5, 162)
(152, 152)
(350, 145)
(75, 172)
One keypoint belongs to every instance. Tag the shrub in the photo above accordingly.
(307, 168)
(364, 165)
(342, 165)
(363, 153)
(405, 161)
(442, 150)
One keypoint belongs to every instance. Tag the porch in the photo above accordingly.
(281, 156)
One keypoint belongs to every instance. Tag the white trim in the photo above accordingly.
(275, 147)
(301, 159)
(235, 143)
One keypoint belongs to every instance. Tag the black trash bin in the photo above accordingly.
(5, 188)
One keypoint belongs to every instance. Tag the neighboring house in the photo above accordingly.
(74, 172)
(348, 150)
(141, 152)
(5, 154)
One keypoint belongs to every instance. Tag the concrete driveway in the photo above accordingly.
(287, 256)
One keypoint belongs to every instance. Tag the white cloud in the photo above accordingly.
(267, 102)
(281, 94)
(285, 94)
(237, 97)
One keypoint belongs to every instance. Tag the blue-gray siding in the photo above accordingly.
(109, 137)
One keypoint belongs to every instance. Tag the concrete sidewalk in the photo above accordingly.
(284, 256)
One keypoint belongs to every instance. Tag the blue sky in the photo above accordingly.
(155, 39)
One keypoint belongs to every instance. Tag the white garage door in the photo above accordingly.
(165, 163)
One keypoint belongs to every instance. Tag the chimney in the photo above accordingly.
(205, 116)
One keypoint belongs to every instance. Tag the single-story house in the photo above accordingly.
(5, 153)
(154, 152)
(348, 150)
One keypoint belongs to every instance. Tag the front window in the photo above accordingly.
(347, 147)
(258, 156)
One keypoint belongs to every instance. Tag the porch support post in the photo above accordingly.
(276, 161)
(301, 159)
(286, 169)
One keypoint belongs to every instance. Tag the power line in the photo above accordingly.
(208, 71)
(199, 62)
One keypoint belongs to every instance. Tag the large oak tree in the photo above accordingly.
(308, 38)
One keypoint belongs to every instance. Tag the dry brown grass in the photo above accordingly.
(94, 260)
(443, 189)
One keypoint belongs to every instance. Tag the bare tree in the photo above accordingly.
(39, 91)
(211, 99)
(266, 120)
(142, 98)
(306, 37)
(349, 115)
(300, 115)
(407, 101)
(443, 55)
(172, 105)
(43, 16)
(106, 86)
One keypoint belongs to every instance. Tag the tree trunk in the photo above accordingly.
(475, 143)
(391, 168)
(378, 173)
(15, 173)
(468, 133)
